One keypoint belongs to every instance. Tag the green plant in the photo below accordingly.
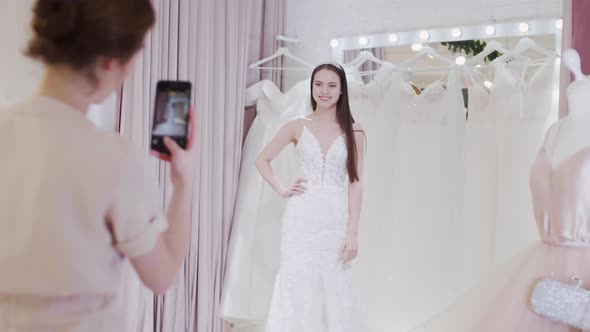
(470, 47)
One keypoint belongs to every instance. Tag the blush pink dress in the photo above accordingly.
(561, 201)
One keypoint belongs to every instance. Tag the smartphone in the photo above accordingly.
(171, 114)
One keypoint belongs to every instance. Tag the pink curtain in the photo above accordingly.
(204, 42)
(576, 35)
(580, 39)
(267, 21)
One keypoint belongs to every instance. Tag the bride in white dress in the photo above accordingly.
(313, 289)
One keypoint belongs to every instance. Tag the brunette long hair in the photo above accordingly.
(343, 116)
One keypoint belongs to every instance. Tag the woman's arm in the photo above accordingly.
(159, 268)
(355, 199)
(284, 137)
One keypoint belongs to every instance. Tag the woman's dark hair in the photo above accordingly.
(343, 116)
(77, 32)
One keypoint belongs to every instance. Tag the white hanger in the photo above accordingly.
(426, 51)
(282, 51)
(286, 39)
(490, 48)
(363, 57)
(523, 45)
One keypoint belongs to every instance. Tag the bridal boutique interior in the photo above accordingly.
(455, 97)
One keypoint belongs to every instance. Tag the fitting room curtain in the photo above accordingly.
(205, 42)
(580, 38)
(267, 20)
(576, 35)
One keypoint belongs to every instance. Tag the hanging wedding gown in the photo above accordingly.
(253, 257)
(479, 184)
(522, 107)
(372, 266)
(421, 242)
(374, 106)
(500, 302)
(313, 290)
(366, 99)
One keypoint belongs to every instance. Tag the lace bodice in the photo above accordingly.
(322, 168)
(425, 107)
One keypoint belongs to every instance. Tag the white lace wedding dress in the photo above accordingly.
(313, 290)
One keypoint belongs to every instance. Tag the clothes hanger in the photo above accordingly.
(425, 52)
(523, 45)
(352, 66)
(362, 58)
(282, 51)
(490, 48)
(473, 78)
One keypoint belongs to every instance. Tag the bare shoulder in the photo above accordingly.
(357, 127)
(553, 130)
(359, 135)
(294, 127)
(358, 130)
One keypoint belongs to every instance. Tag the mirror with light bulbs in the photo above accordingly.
(458, 43)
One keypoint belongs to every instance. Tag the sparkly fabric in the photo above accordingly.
(560, 302)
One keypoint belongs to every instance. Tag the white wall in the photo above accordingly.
(315, 22)
(18, 75)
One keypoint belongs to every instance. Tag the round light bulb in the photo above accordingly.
(456, 32)
(490, 30)
(524, 27)
(416, 47)
(334, 43)
(364, 41)
(424, 35)
(488, 84)
(559, 24)
(460, 60)
(393, 38)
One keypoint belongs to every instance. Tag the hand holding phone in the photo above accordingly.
(171, 112)
(183, 160)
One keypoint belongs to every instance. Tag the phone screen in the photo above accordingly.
(171, 115)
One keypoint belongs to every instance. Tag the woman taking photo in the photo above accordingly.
(76, 201)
